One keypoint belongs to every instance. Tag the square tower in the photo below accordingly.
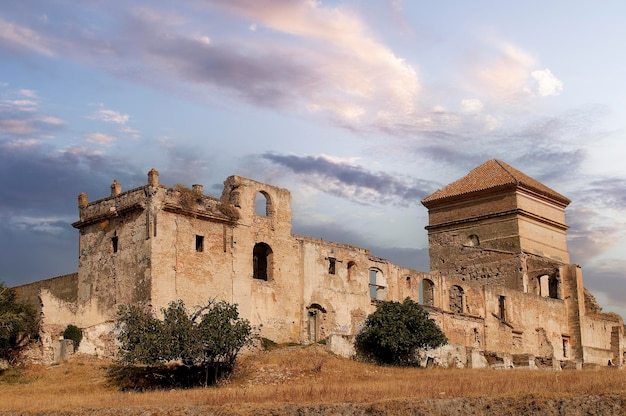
(495, 215)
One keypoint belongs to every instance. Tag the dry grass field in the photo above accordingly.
(310, 381)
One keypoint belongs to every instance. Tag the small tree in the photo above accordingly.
(142, 337)
(75, 334)
(18, 323)
(395, 330)
(211, 337)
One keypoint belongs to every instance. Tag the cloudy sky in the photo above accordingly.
(361, 109)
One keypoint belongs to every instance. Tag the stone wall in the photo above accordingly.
(499, 287)
(63, 287)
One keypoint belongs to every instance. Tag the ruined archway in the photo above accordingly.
(263, 204)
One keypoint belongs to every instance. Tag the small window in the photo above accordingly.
(114, 242)
(199, 243)
(553, 287)
(502, 308)
(376, 285)
(565, 347)
(331, 265)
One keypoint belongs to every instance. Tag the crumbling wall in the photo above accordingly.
(63, 287)
(499, 283)
(531, 324)
(465, 330)
(191, 260)
(447, 356)
(114, 262)
(449, 255)
(275, 303)
(599, 346)
(341, 292)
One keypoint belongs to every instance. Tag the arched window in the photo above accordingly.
(262, 204)
(427, 292)
(377, 285)
(262, 261)
(457, 299)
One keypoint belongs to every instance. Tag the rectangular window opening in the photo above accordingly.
(502, 308)
(199, 243)
(331, 265)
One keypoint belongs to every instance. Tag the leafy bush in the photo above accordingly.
(18, 324)
(211, 337)
(395, 330)
(75, 334)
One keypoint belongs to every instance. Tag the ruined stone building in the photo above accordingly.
(501, 286)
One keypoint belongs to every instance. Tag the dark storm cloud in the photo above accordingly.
(253, 76)
(308, 71)
(146, 47)
(47, 181)
(29, 254)
(354, 182)
(39, 186)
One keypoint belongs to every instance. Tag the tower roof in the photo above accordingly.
(490, 176)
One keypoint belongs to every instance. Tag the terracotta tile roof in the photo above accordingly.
(493, 174)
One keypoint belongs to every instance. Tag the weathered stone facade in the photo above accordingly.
(500, 284)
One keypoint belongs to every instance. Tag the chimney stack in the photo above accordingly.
(83, 200)
(116, 188)
(153, 177)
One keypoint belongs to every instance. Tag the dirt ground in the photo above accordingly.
(309, 381)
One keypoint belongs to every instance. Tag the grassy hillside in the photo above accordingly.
(309, 380)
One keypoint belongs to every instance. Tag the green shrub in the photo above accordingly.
(393, 333)
(18, 324)
(75, 334)
(209, 338)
